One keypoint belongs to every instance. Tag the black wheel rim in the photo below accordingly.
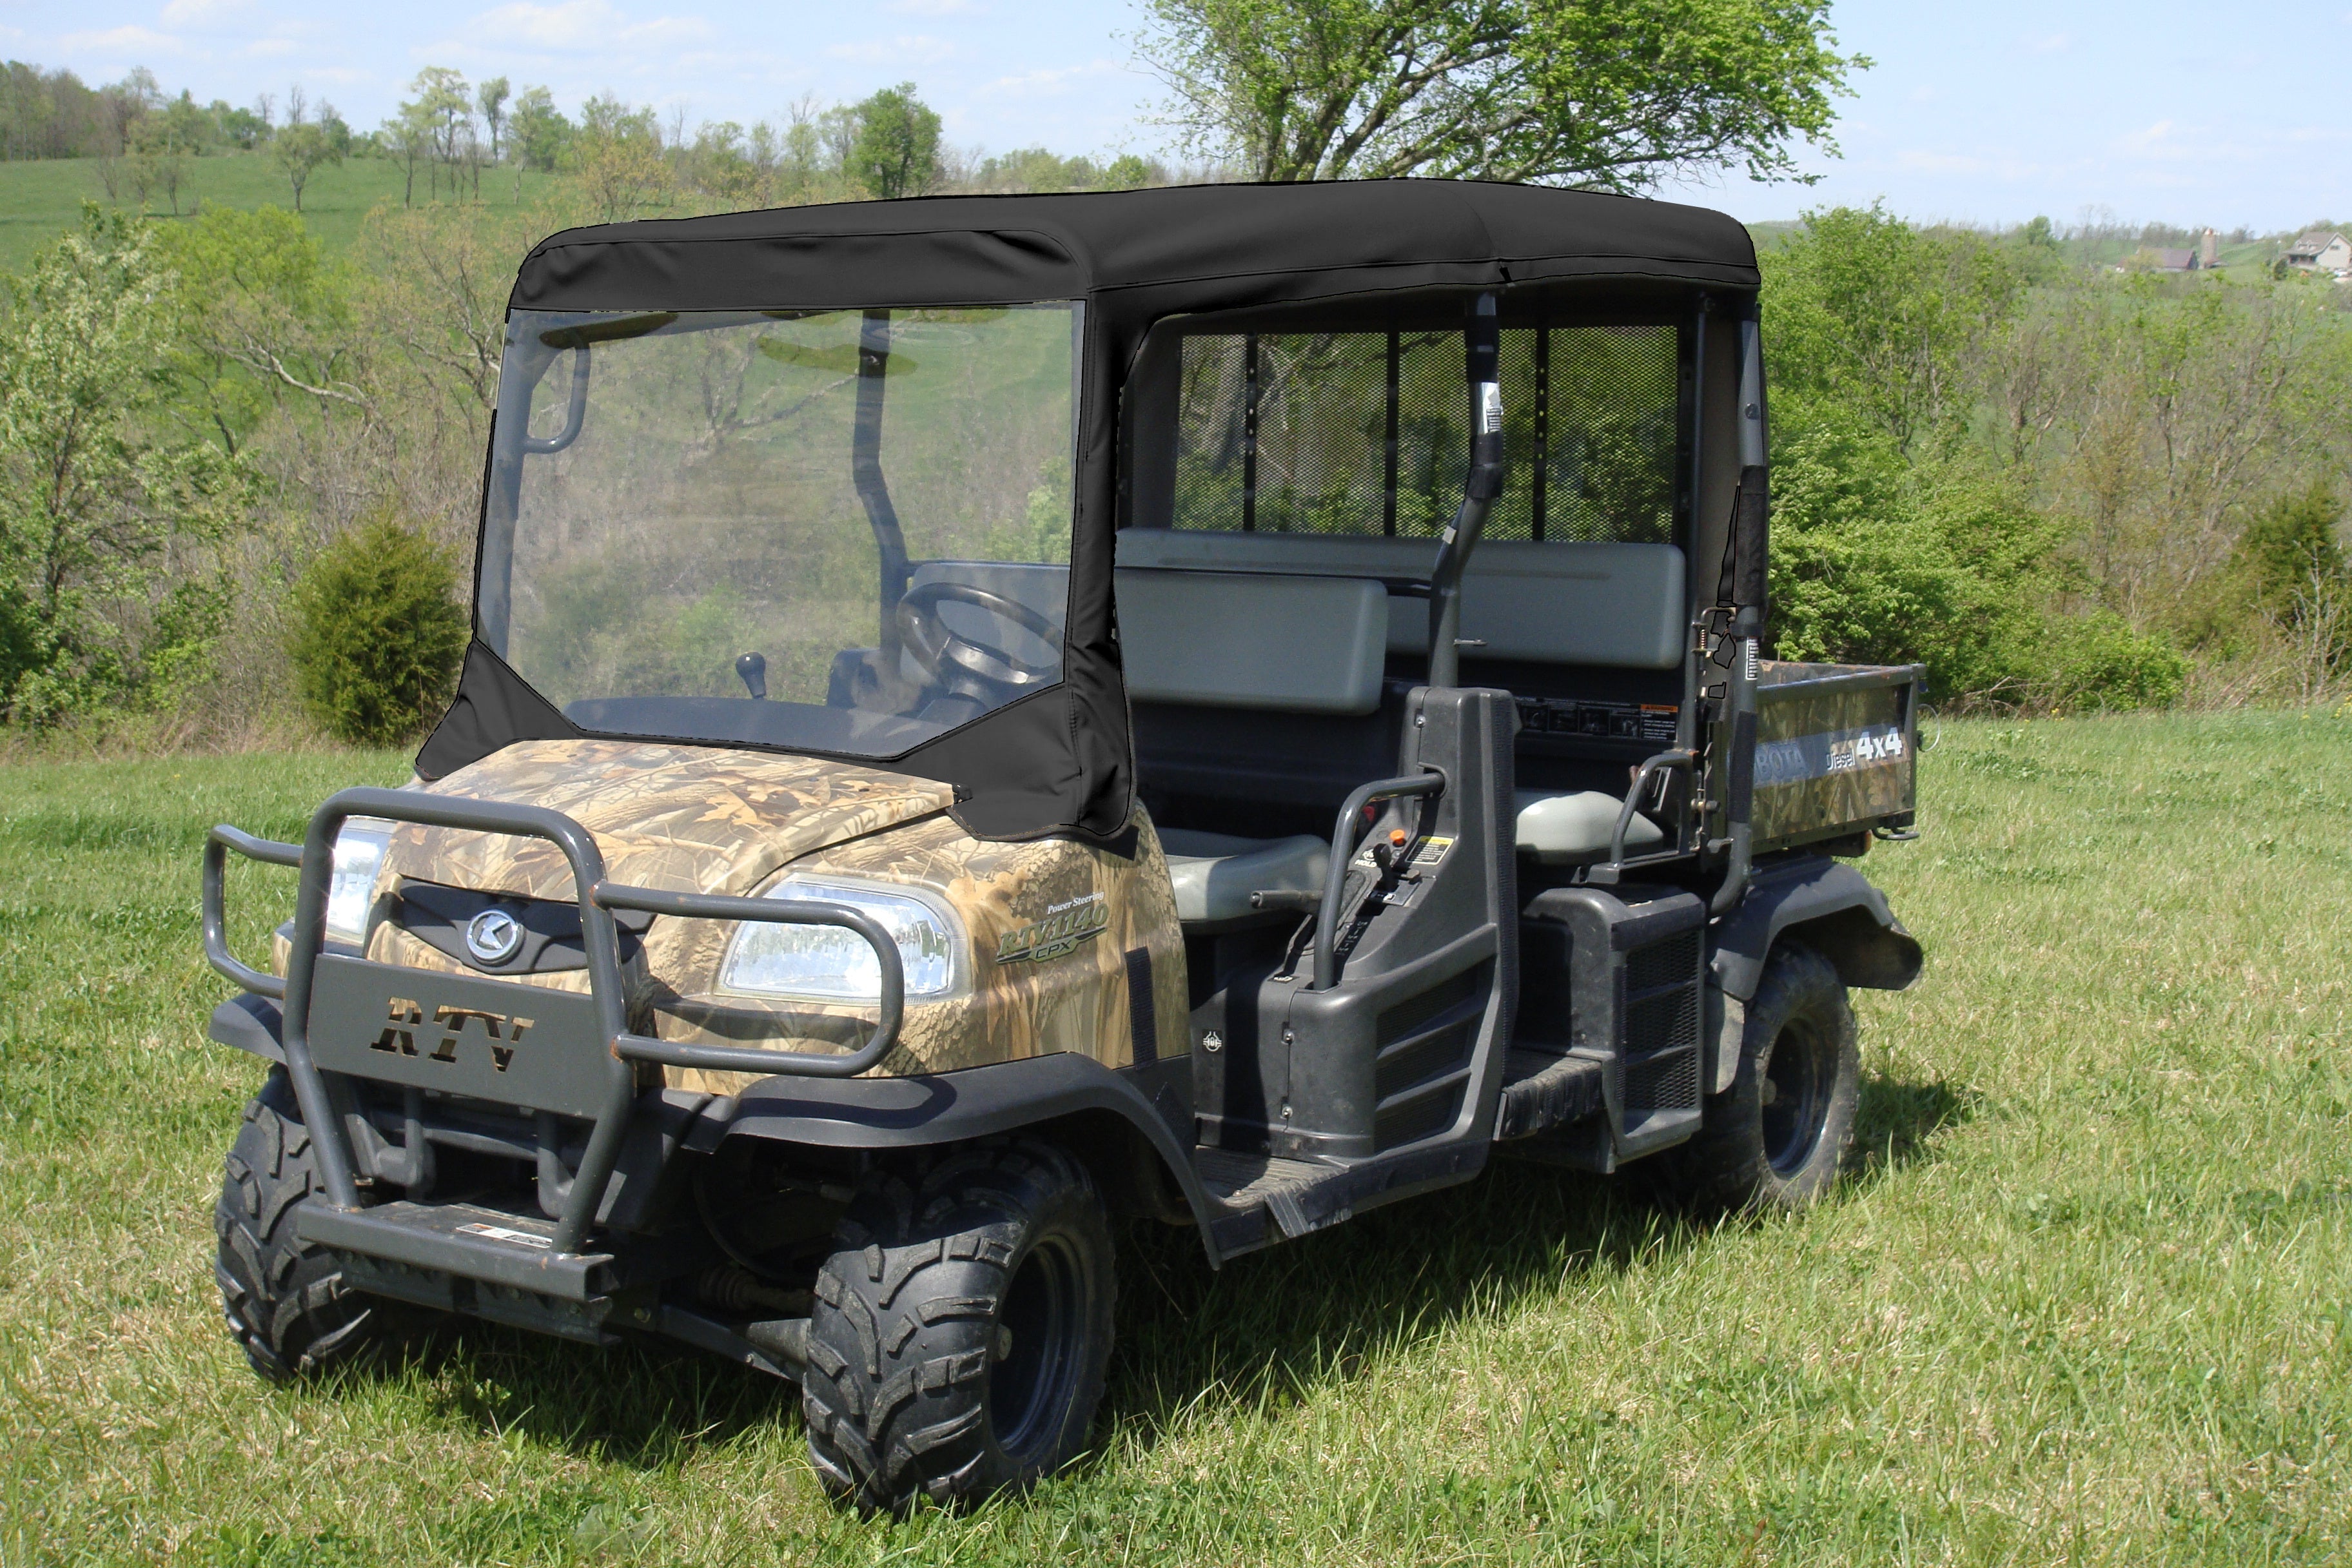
(1799, 1079)
(1039, 1327)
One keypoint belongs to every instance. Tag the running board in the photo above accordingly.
(1541, 1092)
(1264, 1199)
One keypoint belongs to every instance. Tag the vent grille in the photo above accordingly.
(1416, 1119)
(1666, 1022)
(1664, 1082)
(1673, 962)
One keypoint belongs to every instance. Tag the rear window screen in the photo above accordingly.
(1368, 433)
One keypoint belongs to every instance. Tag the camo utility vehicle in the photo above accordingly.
(992, 716)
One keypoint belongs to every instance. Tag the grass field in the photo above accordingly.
(41, 198)
(2083, 1298)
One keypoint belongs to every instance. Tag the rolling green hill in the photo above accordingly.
(41, 198)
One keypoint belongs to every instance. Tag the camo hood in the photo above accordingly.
(680, 818)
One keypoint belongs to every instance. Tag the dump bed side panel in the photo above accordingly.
(1834, 750)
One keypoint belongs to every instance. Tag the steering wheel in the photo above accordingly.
(956, 662)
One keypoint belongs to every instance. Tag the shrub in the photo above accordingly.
(1878, 560)
(378, 633)
(2097, 661)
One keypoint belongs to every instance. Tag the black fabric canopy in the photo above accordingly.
(1059, 761)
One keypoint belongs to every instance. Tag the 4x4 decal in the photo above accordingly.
(399, 1036)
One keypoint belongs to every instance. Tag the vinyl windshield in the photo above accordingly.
(844, 532)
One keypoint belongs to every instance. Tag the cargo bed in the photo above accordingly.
(1834, 750)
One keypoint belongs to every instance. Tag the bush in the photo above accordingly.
(378, 633)
(2096, 661)
(1880, 559)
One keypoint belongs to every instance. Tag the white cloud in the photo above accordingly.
(205, 13)
(2051, 44)
(1048, 83)
(579, 27)
(907, 48)
(271, 48)
(125, 40)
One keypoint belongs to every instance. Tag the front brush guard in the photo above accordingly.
(591, 1071)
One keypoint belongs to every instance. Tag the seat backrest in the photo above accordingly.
(1276, 642)
(1620, 606)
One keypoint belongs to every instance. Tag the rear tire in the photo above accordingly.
(960, 1332)
(288, 1304)
(1774, 1140)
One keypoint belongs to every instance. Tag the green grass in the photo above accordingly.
(2083, 1297)
(41, 198)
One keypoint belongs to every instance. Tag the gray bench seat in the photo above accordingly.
(1564, 828)
(1215, 873)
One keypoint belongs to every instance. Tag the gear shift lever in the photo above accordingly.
(753, 669)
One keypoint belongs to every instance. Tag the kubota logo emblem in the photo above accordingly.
(494, 936)
(503, 1032)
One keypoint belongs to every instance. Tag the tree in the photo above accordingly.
(301, 147)
(620, 156)
(408, 136)
(1865, 311)
(1612, 95)
(444, 109)
(378, 632)
(538, 131)
(260, 317)
(490, 97)
(94, 507)
(897, 148)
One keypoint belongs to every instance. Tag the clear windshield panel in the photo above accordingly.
(838, 531)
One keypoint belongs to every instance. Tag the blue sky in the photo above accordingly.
(2191, 113)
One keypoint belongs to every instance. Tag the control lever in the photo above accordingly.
(753, 669)
(1297, 898)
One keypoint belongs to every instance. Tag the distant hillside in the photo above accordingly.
(2242, 256)
(40, 199)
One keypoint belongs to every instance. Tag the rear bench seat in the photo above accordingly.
(1294, 640)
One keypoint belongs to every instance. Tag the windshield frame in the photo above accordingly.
(531, 357)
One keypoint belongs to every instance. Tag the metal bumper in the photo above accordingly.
(556, 1054)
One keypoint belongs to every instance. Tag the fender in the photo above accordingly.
(928, 1110)
(1846, 919)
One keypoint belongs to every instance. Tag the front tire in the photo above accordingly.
(288, 1304)
(960, 1332)
(1775, 1139)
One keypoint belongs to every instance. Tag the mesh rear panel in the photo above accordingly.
(1368, 433)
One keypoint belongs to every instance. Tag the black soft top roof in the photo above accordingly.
(1059, 761)
(1188, 247)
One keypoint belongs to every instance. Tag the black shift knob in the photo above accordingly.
(753, 669)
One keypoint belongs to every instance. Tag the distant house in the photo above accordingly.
(2204, 258)
(2322, 250)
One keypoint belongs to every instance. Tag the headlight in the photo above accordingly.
(826, 963)
(351, 887)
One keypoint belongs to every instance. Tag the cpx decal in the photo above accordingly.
(503, 1032)
(1064, 927)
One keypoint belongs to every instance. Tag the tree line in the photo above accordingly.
(2056, 484)
(232, 463)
